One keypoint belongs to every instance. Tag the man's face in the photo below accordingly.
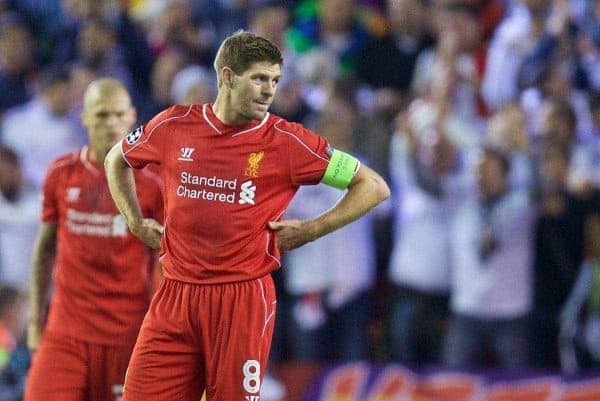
(58, 98)
(108, 118)
(252, 92)
(554, 169)
(490, 177)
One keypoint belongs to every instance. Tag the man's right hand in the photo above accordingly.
(34, 336)
(149, 231)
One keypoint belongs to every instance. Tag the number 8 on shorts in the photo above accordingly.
(251, 372)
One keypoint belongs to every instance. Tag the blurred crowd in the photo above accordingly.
(483, 114)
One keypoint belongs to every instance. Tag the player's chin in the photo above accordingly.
(259, 114)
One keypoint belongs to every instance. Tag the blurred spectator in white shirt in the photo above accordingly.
(42, 129)
(330, 280)
(20, 205)
(491, 247)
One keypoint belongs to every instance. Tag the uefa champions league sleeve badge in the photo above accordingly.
(134, 136)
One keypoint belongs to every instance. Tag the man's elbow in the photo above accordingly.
(380, 188)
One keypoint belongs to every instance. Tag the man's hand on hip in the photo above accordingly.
(292, 234)
(149, 231)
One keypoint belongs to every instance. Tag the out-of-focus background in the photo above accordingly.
(477, 280)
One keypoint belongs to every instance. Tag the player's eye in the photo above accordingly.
(102, 114)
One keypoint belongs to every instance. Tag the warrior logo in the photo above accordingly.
(186, 154)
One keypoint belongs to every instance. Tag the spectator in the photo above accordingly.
(507, 132)
(19, 210)
(491, 293)
(407, 37)
(559, 249)
(16, 62)
(176, 29)
(513, 40)
(41, 130)
(98, 49)
(460, 54)
(193, 85)
(332, 27)
(164, 70)
(14, 359)
(330, 280)
(422, 169)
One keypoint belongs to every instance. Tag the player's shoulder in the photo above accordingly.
(167, 122)
(65, 161)
(176, 114)
(61, 167)
(282, 126)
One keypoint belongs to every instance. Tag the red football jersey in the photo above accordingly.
(102, 274)
(223, 184)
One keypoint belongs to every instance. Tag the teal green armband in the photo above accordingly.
(341, 170)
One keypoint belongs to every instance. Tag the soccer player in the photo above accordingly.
(230, 169)
(102, 278)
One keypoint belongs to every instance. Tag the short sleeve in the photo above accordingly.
(50, 195)
(144, 145)
(309, 153)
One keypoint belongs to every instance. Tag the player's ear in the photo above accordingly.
(227, 76)
(84, 118)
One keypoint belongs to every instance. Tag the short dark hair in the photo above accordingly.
(241, 49)
(54, 75)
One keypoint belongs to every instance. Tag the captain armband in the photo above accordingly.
(341, 169)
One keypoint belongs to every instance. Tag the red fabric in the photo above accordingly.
(102, 272)
(210, 240)
(66, 369)
(202, 336)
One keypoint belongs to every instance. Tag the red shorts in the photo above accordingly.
(203, 337)
(66, 369)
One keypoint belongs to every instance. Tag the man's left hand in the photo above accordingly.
(292, 234)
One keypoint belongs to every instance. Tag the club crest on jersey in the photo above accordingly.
(135, 135)
(254, 164)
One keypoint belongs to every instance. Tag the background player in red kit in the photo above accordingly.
(230, 170)
(102, 278)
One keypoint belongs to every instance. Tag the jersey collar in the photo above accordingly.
(233, 130)
(84, 156)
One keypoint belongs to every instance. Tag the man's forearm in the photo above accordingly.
(44, 252)
(365, 192)
(122, 186)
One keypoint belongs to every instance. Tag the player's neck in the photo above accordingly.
(224, 112)
(96, 155)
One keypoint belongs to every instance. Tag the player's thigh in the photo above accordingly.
(165, 364)
(240, 344)
(108, 365)
(58, 371)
